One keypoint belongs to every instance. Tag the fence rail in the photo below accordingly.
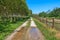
(51, 22)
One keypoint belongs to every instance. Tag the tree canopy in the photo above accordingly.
(9, 7)
(42, 14)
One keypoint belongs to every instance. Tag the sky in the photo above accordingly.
(38, 6)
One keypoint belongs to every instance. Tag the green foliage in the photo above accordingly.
(30, 12)
(10, 9)
(8, 28)
(54, 13)
(43, 14)
(16, 7)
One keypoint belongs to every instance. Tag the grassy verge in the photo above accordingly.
(48, 33)
(9, 29)
(28, 25)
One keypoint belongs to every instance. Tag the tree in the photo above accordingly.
(13, 7)
(43, 14)
(55, 13)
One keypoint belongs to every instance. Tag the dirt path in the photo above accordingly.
(21, 33)
(33, 32)
(18, 33)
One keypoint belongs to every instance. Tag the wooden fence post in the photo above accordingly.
(46, 21)
(40, 19)
(52, 22)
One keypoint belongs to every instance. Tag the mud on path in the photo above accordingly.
(33, 33)
(20, 35)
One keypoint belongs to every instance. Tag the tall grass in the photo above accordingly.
(48, 34)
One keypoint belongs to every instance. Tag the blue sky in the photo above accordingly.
(42, 5)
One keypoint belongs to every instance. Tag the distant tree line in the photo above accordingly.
(54, 13)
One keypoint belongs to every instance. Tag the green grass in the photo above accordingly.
(28, 24)
(48, 34)
(57, 26)
(8, 29)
